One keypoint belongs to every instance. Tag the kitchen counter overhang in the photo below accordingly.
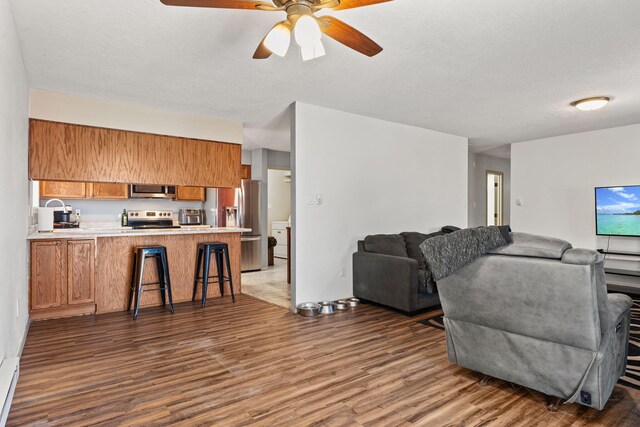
(90, 233)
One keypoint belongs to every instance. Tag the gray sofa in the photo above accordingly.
(389, 269)
(537, 313)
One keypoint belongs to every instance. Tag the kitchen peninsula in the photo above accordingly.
(87, 271)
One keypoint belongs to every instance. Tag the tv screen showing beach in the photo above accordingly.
(618, 211)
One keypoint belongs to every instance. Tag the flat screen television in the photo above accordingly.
(618, 211)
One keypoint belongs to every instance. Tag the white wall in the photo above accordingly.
(374, 177)
(279, 196)
(479, 164)
(14, 188)
(61, 107)
(556, 177)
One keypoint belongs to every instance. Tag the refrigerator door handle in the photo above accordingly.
(241, 206)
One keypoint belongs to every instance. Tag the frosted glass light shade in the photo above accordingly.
(312, 52)
(591, 104)
(278, 40)
(307, 32)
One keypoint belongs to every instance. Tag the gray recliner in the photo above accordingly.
(537, 313)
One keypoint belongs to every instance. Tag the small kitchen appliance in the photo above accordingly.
(141, 220)
(190, 216)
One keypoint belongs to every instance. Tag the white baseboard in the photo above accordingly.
(9, 372)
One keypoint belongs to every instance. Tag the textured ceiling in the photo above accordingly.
(496, 71)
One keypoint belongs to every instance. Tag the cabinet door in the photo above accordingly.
(245, 172)
(48, 273)
(195, 194)
(108, 191)
(62, 190)
(80, 271)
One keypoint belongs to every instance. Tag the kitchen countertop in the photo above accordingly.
(90, 233)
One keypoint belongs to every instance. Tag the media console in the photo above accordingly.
(622, 280)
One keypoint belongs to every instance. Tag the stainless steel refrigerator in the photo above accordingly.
(247, 199)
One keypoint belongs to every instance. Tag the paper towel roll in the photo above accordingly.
(45, 219)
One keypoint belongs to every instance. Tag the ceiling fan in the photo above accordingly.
(307, 27)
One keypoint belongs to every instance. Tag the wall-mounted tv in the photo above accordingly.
(618, 211)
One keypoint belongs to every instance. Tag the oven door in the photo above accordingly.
(143, 191)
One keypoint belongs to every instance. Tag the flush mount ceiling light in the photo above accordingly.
(590, 104)
(307, 28)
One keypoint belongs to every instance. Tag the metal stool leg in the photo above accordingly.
(139, 275)
(219, 266)
(162, 282)
(196, 274)
(226, 256)
(205, 275)
(132, 282)
(167, 279)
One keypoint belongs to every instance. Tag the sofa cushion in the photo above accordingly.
(525, 244)
(387, 244)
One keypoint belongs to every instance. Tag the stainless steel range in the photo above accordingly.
(140, 220)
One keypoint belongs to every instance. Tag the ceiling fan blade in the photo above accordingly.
(348, 36)
(350, 4)
(223, 4)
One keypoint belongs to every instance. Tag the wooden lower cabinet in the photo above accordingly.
(62, 278)
(196, 194)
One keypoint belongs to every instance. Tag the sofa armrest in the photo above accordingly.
(386, 279)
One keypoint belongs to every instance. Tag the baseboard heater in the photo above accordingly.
(9, 371)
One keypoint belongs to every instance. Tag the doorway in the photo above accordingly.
(495, 194)
(271, 284)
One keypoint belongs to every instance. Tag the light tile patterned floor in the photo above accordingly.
(269, 285)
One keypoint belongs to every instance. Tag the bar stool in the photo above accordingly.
(140, 255)
(203, 261)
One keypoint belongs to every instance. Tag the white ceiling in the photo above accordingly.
(496, 71)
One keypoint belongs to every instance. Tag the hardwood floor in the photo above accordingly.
(254, 363)
(270, 284)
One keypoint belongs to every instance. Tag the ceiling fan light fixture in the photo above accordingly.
(312, 52)
(278, 40)
(307, 32)
(590, 104)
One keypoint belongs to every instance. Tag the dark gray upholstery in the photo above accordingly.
(543, 321)
(398, 281)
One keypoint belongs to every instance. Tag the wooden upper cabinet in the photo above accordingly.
(196, 194)
(245, 172)
(63, 190)
(108, 191)
(48, 275)
(80, 271)
(68, 152)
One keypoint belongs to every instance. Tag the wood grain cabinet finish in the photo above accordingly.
(62, 278)
(80, 271)
(108, 191)
(68, 152)
(63, 190)
(48, 275)
(196, 194)
(245, 172)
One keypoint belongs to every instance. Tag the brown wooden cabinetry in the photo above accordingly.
(62, 278)
(63, 190)
(245, 172)
(48, 269)
(108, 191)
(80, 271)
(196, 194)
(64, 151)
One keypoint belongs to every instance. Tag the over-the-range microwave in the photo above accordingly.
(143, 191)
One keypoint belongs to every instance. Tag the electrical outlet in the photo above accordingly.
(318, 199)
(341, 271)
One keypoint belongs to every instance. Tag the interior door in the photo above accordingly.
(495, 209)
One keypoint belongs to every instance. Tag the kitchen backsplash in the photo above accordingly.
(109, 210)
